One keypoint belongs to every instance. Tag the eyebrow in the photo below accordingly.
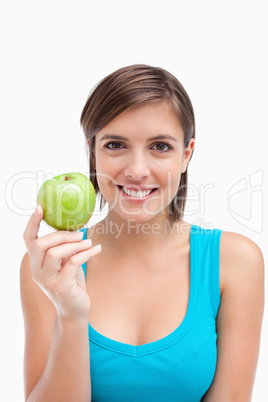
(157, 137)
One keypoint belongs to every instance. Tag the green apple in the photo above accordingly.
(68, 201)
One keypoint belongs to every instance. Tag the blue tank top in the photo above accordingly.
(179, 367)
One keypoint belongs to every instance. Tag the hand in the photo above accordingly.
(56, 261)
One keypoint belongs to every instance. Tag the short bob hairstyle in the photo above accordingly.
(129, 87)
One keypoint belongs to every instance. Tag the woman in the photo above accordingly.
(164, 310)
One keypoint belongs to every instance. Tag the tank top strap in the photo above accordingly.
(84, 231)
(206, 256)
(207, 253)
(215, 270)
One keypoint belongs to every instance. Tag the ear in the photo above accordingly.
(187, 155)
(91, 154)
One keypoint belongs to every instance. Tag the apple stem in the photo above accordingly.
(67, 178)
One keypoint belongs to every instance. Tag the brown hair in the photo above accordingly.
(131, 86)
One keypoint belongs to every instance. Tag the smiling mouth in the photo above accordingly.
(136, 193)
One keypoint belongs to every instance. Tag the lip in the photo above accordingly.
(137, 188)
(137, 200)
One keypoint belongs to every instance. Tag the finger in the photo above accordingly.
(32, 227)
(56, 256)
(75, 261)
(59, 237)
(52, 240)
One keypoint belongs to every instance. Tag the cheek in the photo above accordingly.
(172, 186)
(170, 175)
(106, 164)
(105, 182)
(104, 169)
(106, 174)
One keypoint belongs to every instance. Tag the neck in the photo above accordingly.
(135, 237)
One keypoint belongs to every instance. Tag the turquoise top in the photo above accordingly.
(179, 367)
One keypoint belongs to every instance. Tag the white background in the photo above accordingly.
(54, 52)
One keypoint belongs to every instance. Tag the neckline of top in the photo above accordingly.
(170, 339)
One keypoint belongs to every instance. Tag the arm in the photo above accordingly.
(56, 356)
(55, 308)
(239, 319)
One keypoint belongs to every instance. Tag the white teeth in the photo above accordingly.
(137, 194)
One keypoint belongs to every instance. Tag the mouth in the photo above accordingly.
(138, 193)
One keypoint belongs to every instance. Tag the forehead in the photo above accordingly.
(145, 120)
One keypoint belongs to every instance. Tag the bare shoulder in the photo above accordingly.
(241, 260)
(239, 245)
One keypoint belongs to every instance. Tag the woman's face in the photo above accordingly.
(139, 157)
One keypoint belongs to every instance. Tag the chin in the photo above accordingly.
(141, 216)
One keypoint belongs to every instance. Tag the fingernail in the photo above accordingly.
(79, 234)
(87, 241)
(98, 247)
(38, 210)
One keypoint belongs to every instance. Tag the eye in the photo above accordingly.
(114, 145)
(162, 147)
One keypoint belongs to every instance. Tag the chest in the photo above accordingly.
(135, 302)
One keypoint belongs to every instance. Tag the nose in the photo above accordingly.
(137, 167)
